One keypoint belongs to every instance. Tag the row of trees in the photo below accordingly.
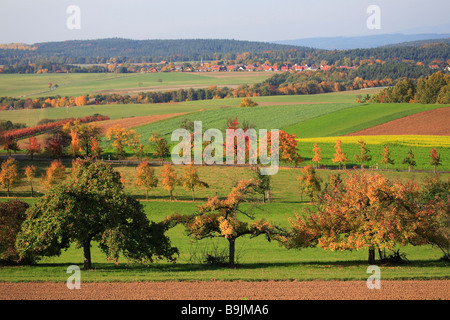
(355, 211)
(287, 83)
(427, 90)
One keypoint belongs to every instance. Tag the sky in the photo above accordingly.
(34, 21)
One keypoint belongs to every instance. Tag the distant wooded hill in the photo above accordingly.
(118, 50)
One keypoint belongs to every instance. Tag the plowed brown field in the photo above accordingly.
(135, 121)
(230, 290)
(433, 122)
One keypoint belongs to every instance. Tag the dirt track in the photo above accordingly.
(432, 122)
(230, 290)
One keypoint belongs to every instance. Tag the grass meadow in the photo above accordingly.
(257, 259)
(313, 118)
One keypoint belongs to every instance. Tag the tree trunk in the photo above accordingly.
(231, 252)
(32, 191)
(171, 196)
(146, 194)
(87, 255)
(371, 255)
(193, 195)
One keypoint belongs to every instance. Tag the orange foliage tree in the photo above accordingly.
(220, 218)
(339, 157)
(168, 179)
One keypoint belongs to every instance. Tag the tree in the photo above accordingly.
(435, 159)
(409, 159)
(317, 156)
(86, 134)
(33, 147)
(75, 148)
(364, 156)
(220, 218)
(9, 175)
(161, 146)
(191, 180)
(339, 157)
(10, 145)
(288, 147)
(29, 174)
(262, 184)
(309, 182)
(367, 212)
(96, 150)
(146, 178)
(247, 102)
(121, 138)
(386, 156)
(12, 215)
(55, 144)
(92, 206)
(169, 179)
(54, 174)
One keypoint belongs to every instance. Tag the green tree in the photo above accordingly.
(92, 206)
(409, 160)
(12, 215)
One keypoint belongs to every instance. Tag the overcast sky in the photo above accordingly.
(33, 21)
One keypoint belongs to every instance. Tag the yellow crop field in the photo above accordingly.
(405, 140)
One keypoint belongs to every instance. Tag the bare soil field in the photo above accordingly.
(433, 122)
(230, 290)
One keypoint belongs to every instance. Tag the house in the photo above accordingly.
(325, 67)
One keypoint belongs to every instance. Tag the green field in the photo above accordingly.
(354, 119)
(322, 118)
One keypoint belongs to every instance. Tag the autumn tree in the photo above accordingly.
(9, 175)
(10, 145)
(339, 157)
(386, 156)
(288, 147)
(317, 154)
(86, 134)
(435, 159)
(160, 145)
(30, 171)
(191, 180)
(409, 159)
(247, 102)
(121, 138)
(33, 147)
(168, 179)
(309, 182)
(54, 174)
(220, 218)
(367, 212)
(364, 155)
(146, 177)
(92, 206)
(55, 144)
(75, 148)
(96, 150)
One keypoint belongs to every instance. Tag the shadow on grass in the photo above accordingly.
(189, 267)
